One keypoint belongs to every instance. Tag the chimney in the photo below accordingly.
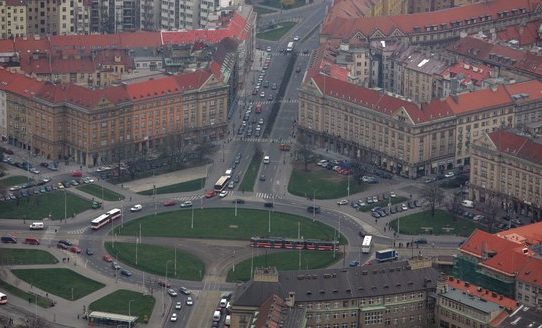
(493, 87)
(290, 301)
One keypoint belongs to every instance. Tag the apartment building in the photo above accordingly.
(509, 166)
(12, 18)
(149, 15)
(419, 73)
(380, 295)
(392, 133)
(115, 16)
(420, 6)
(434, 29)
(91, 126)
(58, 17)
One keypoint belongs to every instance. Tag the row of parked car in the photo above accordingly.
(378, 212)
(340, 167)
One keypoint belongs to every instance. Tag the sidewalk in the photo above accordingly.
(167, 178)
(68, 312)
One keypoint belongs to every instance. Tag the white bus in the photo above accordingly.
(222, 183)
(367, 244)
(290, 46)
(3, 298)
(104, 219)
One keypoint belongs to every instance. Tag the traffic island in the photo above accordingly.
(160, 260)
(126, 302)
(443, 223)
(321, 183)
(283, 261)
(61, 282)
(54, 205)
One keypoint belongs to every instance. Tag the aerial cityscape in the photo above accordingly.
(271, 163)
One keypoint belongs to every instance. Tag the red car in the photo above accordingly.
(77, 174)
(108, 258)
(75, 249)
(169, 202)
(210, 194)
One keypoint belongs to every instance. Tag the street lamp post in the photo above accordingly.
(269, 225)
(65, 207)
(313, 204)
(130, 312)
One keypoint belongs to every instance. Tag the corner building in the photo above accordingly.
(94, 126)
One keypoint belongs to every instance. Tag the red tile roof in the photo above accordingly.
(379, 101)
(236, 28)
(532, 271)
(518, 146)
(480, 242)
(525, 34)
(470, 73)
(508, 303)
(90, 98)
(57, 65)
(345, 28)
(508, 253)
(479, 99)
(531, 234)
(499, 55)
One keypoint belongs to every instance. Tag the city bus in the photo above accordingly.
(222, 183)
(3, 298)
(290, 46)
(106, 218)
(367, 244)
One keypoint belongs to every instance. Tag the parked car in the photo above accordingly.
(404, 207)
(342, 202)
(189, 301)
(125, 273)
(268, 204)
(421, 241)
(115, 265)
(107, 258)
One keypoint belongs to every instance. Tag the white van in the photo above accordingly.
(227, 321)
(37, 226)
(468, 203)
(216, 316)
(228, 171)
(223, 302)
(266, 159)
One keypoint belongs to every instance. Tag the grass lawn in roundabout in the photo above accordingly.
(325, 184)
(221, 223)
(61, 282)
(153, 259)
(20, 256)
(37, 207)
(283, 261)
(117, 302)
(444, 223)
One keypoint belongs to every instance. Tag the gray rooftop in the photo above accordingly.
(336, 284)
(471, 301)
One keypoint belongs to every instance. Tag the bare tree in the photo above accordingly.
(454, 204)
(434, 196)
(490, 207)
(303, 149)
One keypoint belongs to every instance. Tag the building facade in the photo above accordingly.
(508, 166)
(92, 127)
(12, 18)
(58, 17)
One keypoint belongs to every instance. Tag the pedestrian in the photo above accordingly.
(68, 260)
(130, 198)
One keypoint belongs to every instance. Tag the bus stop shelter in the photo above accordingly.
(104, 319)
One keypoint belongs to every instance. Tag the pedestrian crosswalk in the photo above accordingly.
(189, 197)
(269, 195)
(79, 231)
(262, 140)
